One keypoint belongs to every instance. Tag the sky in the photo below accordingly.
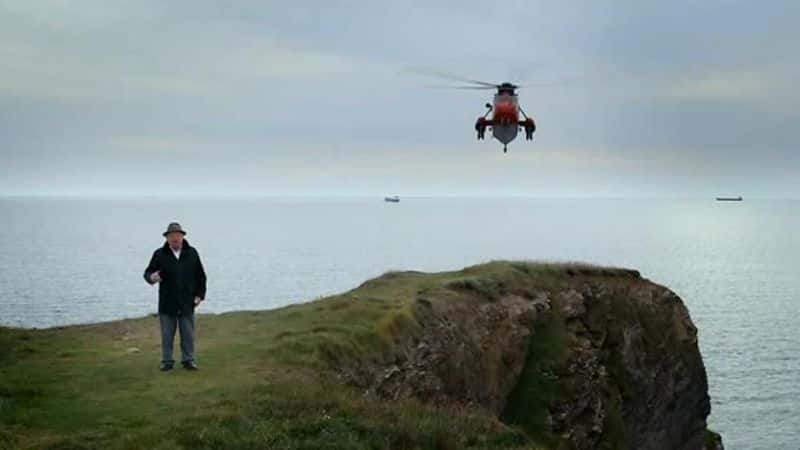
(631, 98)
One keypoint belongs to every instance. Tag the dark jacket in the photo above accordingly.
(181, 279)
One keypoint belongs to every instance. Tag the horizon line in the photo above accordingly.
(367, 196)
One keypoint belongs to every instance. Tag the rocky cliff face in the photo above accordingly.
(578, 357)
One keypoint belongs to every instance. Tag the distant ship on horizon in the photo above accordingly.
(392, 199)
(729, 199)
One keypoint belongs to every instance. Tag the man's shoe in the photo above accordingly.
(166, 367)
(189, 365)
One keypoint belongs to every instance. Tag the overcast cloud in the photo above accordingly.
(687, 98)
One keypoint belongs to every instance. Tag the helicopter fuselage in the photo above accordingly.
(505, 120)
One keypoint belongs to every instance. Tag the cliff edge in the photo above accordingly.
(578, 356)
(502, 355)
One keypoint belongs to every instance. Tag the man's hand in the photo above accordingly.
(197, 301)
(155, 277)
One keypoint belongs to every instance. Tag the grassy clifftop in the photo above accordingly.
(350, 371)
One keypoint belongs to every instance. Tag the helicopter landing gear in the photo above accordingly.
(530, 128)
(483, 122)
(480, 127)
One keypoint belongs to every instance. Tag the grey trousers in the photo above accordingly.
(185, 324)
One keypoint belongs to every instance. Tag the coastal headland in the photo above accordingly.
(502, 355)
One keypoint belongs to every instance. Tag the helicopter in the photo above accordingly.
(505, 122)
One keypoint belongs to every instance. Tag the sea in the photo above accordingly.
(736, 265)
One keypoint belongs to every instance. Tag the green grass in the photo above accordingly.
(78, 387)
(264, 380)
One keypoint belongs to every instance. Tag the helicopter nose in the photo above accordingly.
(505, 134)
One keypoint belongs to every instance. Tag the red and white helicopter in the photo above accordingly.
(505, 121)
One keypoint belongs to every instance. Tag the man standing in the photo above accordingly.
(177, 267)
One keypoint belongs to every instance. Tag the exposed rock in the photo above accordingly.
(571, 303)
(588, 357)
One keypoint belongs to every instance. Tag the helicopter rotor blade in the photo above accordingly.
(480, 88)
(453, 77)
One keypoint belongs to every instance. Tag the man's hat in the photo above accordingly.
(174, 227)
